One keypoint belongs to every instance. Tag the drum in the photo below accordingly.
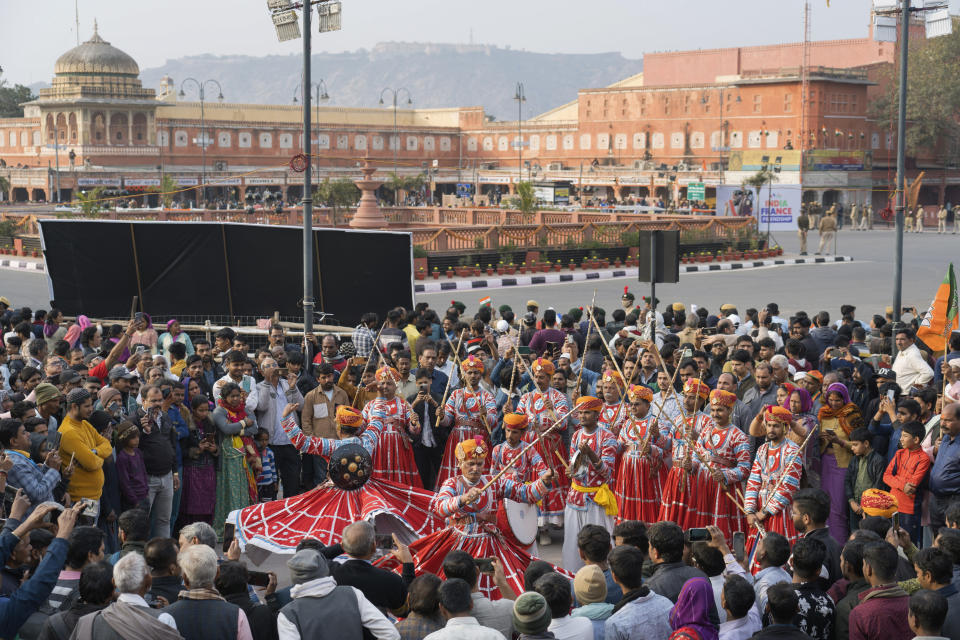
(518, 521)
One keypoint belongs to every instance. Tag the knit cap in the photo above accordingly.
(590, 585)
(531, 615)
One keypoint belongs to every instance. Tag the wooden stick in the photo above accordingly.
(443, 399)
(609, 350)
(586, 340)
(517, 457)
(483, 412)
(566, 467)
(783, 474)
(626, 388)
(376, 345)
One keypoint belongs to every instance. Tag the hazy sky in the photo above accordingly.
(152, 32)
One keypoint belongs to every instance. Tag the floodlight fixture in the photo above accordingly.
(329, 13)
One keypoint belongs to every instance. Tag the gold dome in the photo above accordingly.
(96, 57)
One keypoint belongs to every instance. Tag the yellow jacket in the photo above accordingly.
(90, 449)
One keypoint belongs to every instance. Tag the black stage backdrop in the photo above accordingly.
(222, 269)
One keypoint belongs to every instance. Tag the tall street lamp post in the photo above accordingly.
(201, 86)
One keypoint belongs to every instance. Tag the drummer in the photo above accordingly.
(470, 508)
(530, 464)
(590, 500)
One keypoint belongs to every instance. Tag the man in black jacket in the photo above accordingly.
(158, 439)
(811, 508)
(232, 584)
(428, 445)
(385, 589)
(96, 592)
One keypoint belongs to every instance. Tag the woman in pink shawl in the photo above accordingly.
(801, 406)
(690, 617)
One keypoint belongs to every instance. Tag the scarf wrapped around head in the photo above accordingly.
(806, 402)
(693, 607)
(83, 322)
(73, 335)
(848, 416)
(170, 324)
(50, 328)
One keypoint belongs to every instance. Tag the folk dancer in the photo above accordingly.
(530, 465)
(590, 500)
(543, 406)
(471, 513)
(324, 511)
(644, 460)
(677, 499)
(613, 413)
(720, 465)
(768, 497)
(393, 456)
(467, 410)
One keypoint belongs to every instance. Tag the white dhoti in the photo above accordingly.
(574, 519)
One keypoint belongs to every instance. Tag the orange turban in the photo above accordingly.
(613, 376)
(639, 392)
(589, 403)
(515, 421)
(544, 365)
(348, 416)
(876, 502)
(471, 363)
(694, 385)
(777, 412)
(472, 448)
(721, 397)
(816, 375)
(386, 373)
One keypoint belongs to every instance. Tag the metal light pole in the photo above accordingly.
(901, 158)
(396, 133)
(320, 89)
(203, 132)
(308, 302)
(56, 152)
(520, 97)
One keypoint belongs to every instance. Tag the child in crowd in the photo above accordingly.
(200, 450)
(906, 475)
(267, 478)
(131, 470)
(865, 471)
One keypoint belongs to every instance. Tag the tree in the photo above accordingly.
(12, 97)
(759, 180)
(4, 188)
(166, 190)
(526, 198)
(406, 184)
(337, 194)
(933, 97)
(90, 202)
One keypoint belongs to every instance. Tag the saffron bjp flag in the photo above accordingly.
(941, 319)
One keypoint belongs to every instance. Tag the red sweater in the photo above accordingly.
(908, 465)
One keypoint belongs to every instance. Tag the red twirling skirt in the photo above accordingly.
(696, 500)
(393, 460)
(325, 511)
(778, 523)
(487, 542)
(637, 488)
(449, 468)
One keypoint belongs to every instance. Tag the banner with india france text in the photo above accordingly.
(941, 319)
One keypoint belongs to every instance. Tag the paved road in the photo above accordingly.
(867, 282)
